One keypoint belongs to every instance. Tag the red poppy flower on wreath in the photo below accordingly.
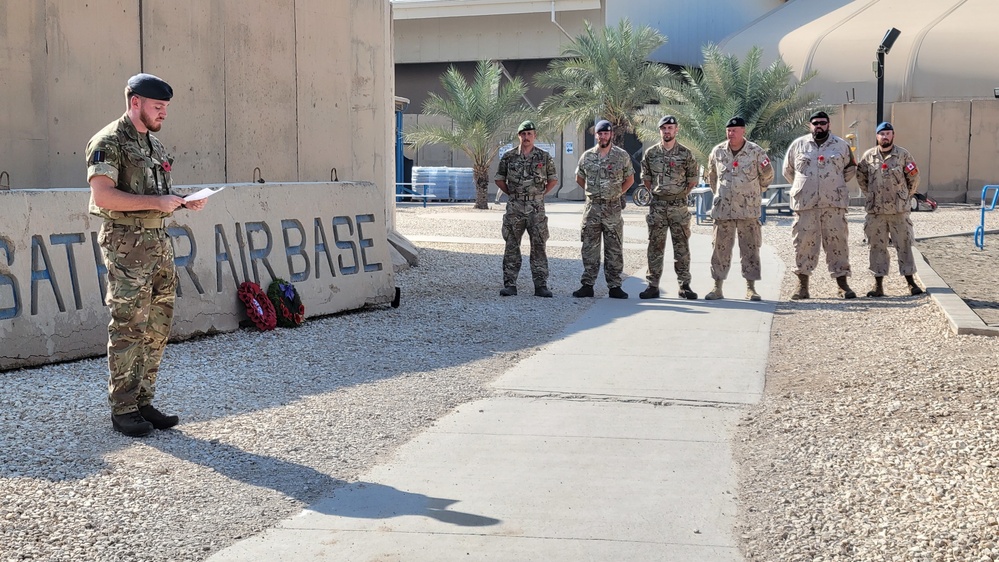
(258, 307)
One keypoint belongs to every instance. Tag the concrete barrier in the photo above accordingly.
(329, 239)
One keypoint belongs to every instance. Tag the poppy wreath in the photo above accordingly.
(258, 307)
(287, 304)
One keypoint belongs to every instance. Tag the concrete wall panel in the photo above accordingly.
(24, 111)
(260, 90)
(92, 49)
(328, 239)
(911, 121)
(983, 166)
(371, 111)
(184, 43)
(949, 149)
(324, 84)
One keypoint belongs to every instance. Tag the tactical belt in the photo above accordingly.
(602, 200)
(527, 198)
(671, 200)
(144, 223)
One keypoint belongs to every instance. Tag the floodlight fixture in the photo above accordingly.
(888, 40)
(879, 68)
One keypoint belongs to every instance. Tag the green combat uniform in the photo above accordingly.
(671, 172)
(605, 178)
(139, 258)
(526, 176)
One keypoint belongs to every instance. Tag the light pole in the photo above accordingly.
(879, 68)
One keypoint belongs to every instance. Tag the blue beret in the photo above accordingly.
(736, 122)
(149, 86)
(667, 120)
(884, 126)
(603, 125)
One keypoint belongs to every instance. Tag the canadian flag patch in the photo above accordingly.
(911, 167)
(765, 163)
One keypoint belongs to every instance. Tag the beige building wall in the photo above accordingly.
(294, 87)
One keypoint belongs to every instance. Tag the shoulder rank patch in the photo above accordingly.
(97, 157)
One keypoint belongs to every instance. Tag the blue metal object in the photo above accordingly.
(980, 231)
(399, 174)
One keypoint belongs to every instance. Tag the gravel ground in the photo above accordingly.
(972, 273)
(271, 421)
(876, 439)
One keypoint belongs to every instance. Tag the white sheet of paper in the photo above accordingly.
(203, 193)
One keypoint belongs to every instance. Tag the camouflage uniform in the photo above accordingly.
(526, 176)
(139, 259)
(671, 173)
(819, 198)
(602, 214)
(738, 182)
(889, 181)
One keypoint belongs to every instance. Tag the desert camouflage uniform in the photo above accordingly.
(139, 258)
(889, 182)
(602, 214)
(526, 177)
(738, 182)
(671, 172)
(819, 198)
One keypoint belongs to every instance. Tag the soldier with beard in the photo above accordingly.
(605, 173)
(669, 171)
(888, 176)
(128, 170)
(819, 165)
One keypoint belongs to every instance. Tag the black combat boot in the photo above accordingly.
(157, 418)
(131, 424)
(844, 290)
(914, 289)
(802, 292)
(878, 290)
(584, 291)
(542, 291)
(508, 291)
(617, 293)
(686, 293)
(649, 293)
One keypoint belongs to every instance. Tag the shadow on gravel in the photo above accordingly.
(293, 480)
(370, 500)
(859, 304)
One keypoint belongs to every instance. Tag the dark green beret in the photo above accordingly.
(526, 126)
(149, 86)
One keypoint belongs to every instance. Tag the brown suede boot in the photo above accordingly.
(844, 290)
(751, 293)
(715, 293)
(914, 289)
(802, 292)
(878, 290)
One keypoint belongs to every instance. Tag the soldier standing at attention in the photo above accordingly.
(818, 166)
(526, 174)
(605, 173)
(739, 171)
(669, 171)
(128, 170)
(889, 178)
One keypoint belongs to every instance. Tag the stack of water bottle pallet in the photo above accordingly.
(446, 183)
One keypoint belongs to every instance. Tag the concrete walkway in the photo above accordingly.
(610, 443)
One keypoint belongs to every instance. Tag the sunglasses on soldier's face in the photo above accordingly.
(820, 123)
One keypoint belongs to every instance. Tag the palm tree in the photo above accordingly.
(773, 104)
(484, 115)
(605, 76)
